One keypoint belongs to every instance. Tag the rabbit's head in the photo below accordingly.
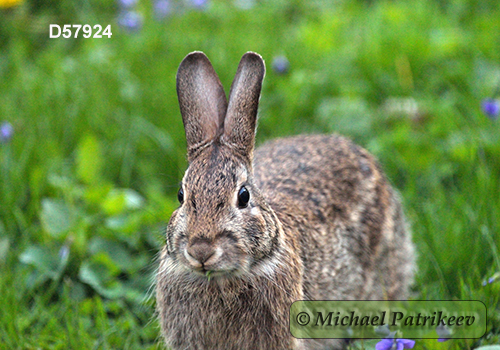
(223, 228)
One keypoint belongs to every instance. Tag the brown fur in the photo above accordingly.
(322, 223)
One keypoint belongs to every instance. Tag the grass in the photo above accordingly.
(91, 172)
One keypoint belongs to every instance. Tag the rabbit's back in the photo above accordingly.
(332, 194)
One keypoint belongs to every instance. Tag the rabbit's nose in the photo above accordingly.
(198, 253)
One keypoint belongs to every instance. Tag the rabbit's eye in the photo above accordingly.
(180, 195)
(243, 197)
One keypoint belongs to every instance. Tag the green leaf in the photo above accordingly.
(97, 193)
(125, 224)
(44, 260)
(4, 249)
(489, 347)
(133, 200)
(56, 217)
(121, 200)
(116, 251)
(89, 160)
(101, 277)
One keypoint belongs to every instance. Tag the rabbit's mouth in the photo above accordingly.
(220, 270)
(213, 262)
(215, 275)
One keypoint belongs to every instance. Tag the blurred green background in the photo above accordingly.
(92, 147)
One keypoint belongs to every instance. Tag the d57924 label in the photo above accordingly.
(74, 30)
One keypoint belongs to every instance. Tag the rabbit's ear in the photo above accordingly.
(241, 117)
(202, 100)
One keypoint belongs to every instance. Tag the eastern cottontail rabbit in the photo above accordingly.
(305, 218)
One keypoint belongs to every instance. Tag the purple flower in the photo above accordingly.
(64, 252)
(491, 108)
(127, 4)
(162, 8)
(443, 332)
(6, 132)
(130, 20)
(395, 344)
(280, 65)
(199, 4)
(490, 280)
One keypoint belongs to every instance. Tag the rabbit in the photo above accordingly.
(302, 218)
